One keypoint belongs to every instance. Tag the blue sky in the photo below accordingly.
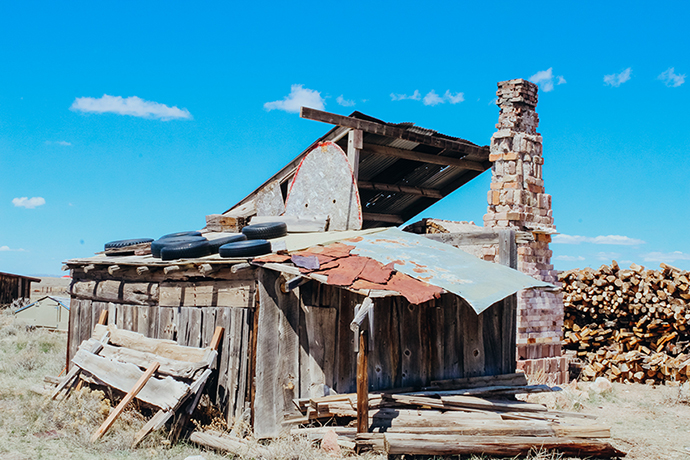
(136, 119)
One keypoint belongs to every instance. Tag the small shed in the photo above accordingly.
(50, 312)
(295, 319)
(14, 287)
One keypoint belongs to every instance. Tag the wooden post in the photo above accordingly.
(363, 384)
(355, 142)
(103, 319)
(128, 397)
(507, 255)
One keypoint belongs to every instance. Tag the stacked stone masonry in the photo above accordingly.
(517, 200)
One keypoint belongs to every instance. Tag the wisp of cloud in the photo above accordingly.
(133, 106)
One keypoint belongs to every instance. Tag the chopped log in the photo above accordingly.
(509, 446)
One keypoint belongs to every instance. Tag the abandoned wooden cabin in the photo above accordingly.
(14, 287)
(288, 326)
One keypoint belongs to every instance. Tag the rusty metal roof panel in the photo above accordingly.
(479, 282)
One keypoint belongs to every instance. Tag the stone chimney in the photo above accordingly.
(517, 200)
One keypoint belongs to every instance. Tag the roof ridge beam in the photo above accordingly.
(390, 131)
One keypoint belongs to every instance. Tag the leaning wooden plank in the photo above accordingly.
(188, 407)
(509, 446)
(131, 394)
(161, 418)
(162, 393)
(195, 391)
(180, 369)
(155, 423)
(162, 348)
(235, 446)
(91, 346)
(67, 380)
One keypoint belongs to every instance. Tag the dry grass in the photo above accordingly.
(648, 423)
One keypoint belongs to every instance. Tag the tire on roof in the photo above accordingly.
(265, 231)
(157, 245)
(249, 248)
(124, 243)
(215, 244)
(175, 235)
(185, 250)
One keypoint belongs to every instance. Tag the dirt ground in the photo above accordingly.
(50, 286)
(647, 422)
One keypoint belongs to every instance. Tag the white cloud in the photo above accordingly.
(133, 106)
(344, 102)
(63, 143)
(617, 79)
(570, 258)
(454, 98)
(7, 248)
(544, 78)
(608, 239)
(416, 96)
(299, 97)
(432, 98)
(607, 255)
(671, 79)
(665, 256)
(28, 203)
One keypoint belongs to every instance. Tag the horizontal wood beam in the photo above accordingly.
(428, 192)
(389, 131)
(376, 217)
(425, 157)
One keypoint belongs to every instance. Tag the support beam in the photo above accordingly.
(425, 157)
(354, 146)
(375, 217)
(391, 131)
(428, 192)
(363, 384)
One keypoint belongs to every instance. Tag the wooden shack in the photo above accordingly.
(14, 287)
(289, 330)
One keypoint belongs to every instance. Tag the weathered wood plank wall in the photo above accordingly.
(411, 345)
(185, 310)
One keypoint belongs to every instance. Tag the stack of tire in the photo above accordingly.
(256, 240)
(253, 241)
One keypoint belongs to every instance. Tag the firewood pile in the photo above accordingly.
(628, 325)
(477, 416)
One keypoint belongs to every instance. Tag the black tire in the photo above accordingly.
(175, 235)
(248, 248)
(157, 245)
(215, 244)
(185, 250)
(265, 231)
(124, 243)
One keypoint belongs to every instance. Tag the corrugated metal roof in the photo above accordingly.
(64, 301)
(479, 282)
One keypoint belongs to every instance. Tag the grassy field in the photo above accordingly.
(647, 422)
